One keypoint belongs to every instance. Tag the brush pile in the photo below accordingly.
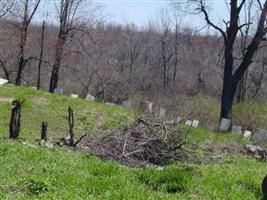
(141, 144)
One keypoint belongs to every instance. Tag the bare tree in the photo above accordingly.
(68, 17)
(5, 7)
(27, 17)
(166, 45)
(41, 56)
(233, 74)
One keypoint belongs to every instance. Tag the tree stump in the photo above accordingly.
(14, 125)
(71, 126)
(44, 131)
(264, 187)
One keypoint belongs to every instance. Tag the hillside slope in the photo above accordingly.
(40, 173)
(41, 107)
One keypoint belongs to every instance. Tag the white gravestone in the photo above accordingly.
(75, 96)
(188, 122)
(195, 123)
(90, 97)
(247, 134)
(3, 81)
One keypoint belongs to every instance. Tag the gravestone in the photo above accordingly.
(150, 106)
(225, 125)
(259, 137)
(195, 123)
(126, 104)
(188, 122)
(34, 88)
(237, 129)
(90, 97)
(58, 91)
(162, 112)
(3, 81)
(247, 134)
(75, 96)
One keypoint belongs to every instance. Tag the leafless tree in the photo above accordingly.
(41, 56)
(29, 9)
(5, 7)
(68, 12)
(229, 34)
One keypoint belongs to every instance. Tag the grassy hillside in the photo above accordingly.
(29, 173)
(40, 173)
(41, 107)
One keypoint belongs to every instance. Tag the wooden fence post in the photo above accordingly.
(14, 125)
(44, 131)
(71, 126)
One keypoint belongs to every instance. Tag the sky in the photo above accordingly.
(132, 11)
(141, 12)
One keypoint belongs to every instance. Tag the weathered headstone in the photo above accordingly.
(259, 137)
(247, 134)
(225, 125)
(90, 97)
(126, 104)
(195, 123)
(188, 122)
(150, 106)
(162, 112)
(58, 91)
(75, 96)
(237, 129)
(3, 81)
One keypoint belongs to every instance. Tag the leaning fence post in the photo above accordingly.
(44, 131)
(14, 125)
(71, 126)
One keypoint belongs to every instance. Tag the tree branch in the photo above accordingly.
(203, 10)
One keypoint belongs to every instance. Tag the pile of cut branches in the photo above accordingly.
(141, 144)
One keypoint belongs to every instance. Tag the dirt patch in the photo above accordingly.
(41, 101)
(5, 100)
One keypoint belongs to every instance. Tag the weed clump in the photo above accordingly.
(169, 180)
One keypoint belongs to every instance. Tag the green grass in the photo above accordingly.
(41, 107)
(249, 114)
(40, 173)
(37, 173)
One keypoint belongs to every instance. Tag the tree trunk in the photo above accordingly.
(41, 57)
(44, 131)
(14, 125)
(58, 58)
(5, 70)
(21, 65)
(228, 92)
(71, 126)
(241, 90)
